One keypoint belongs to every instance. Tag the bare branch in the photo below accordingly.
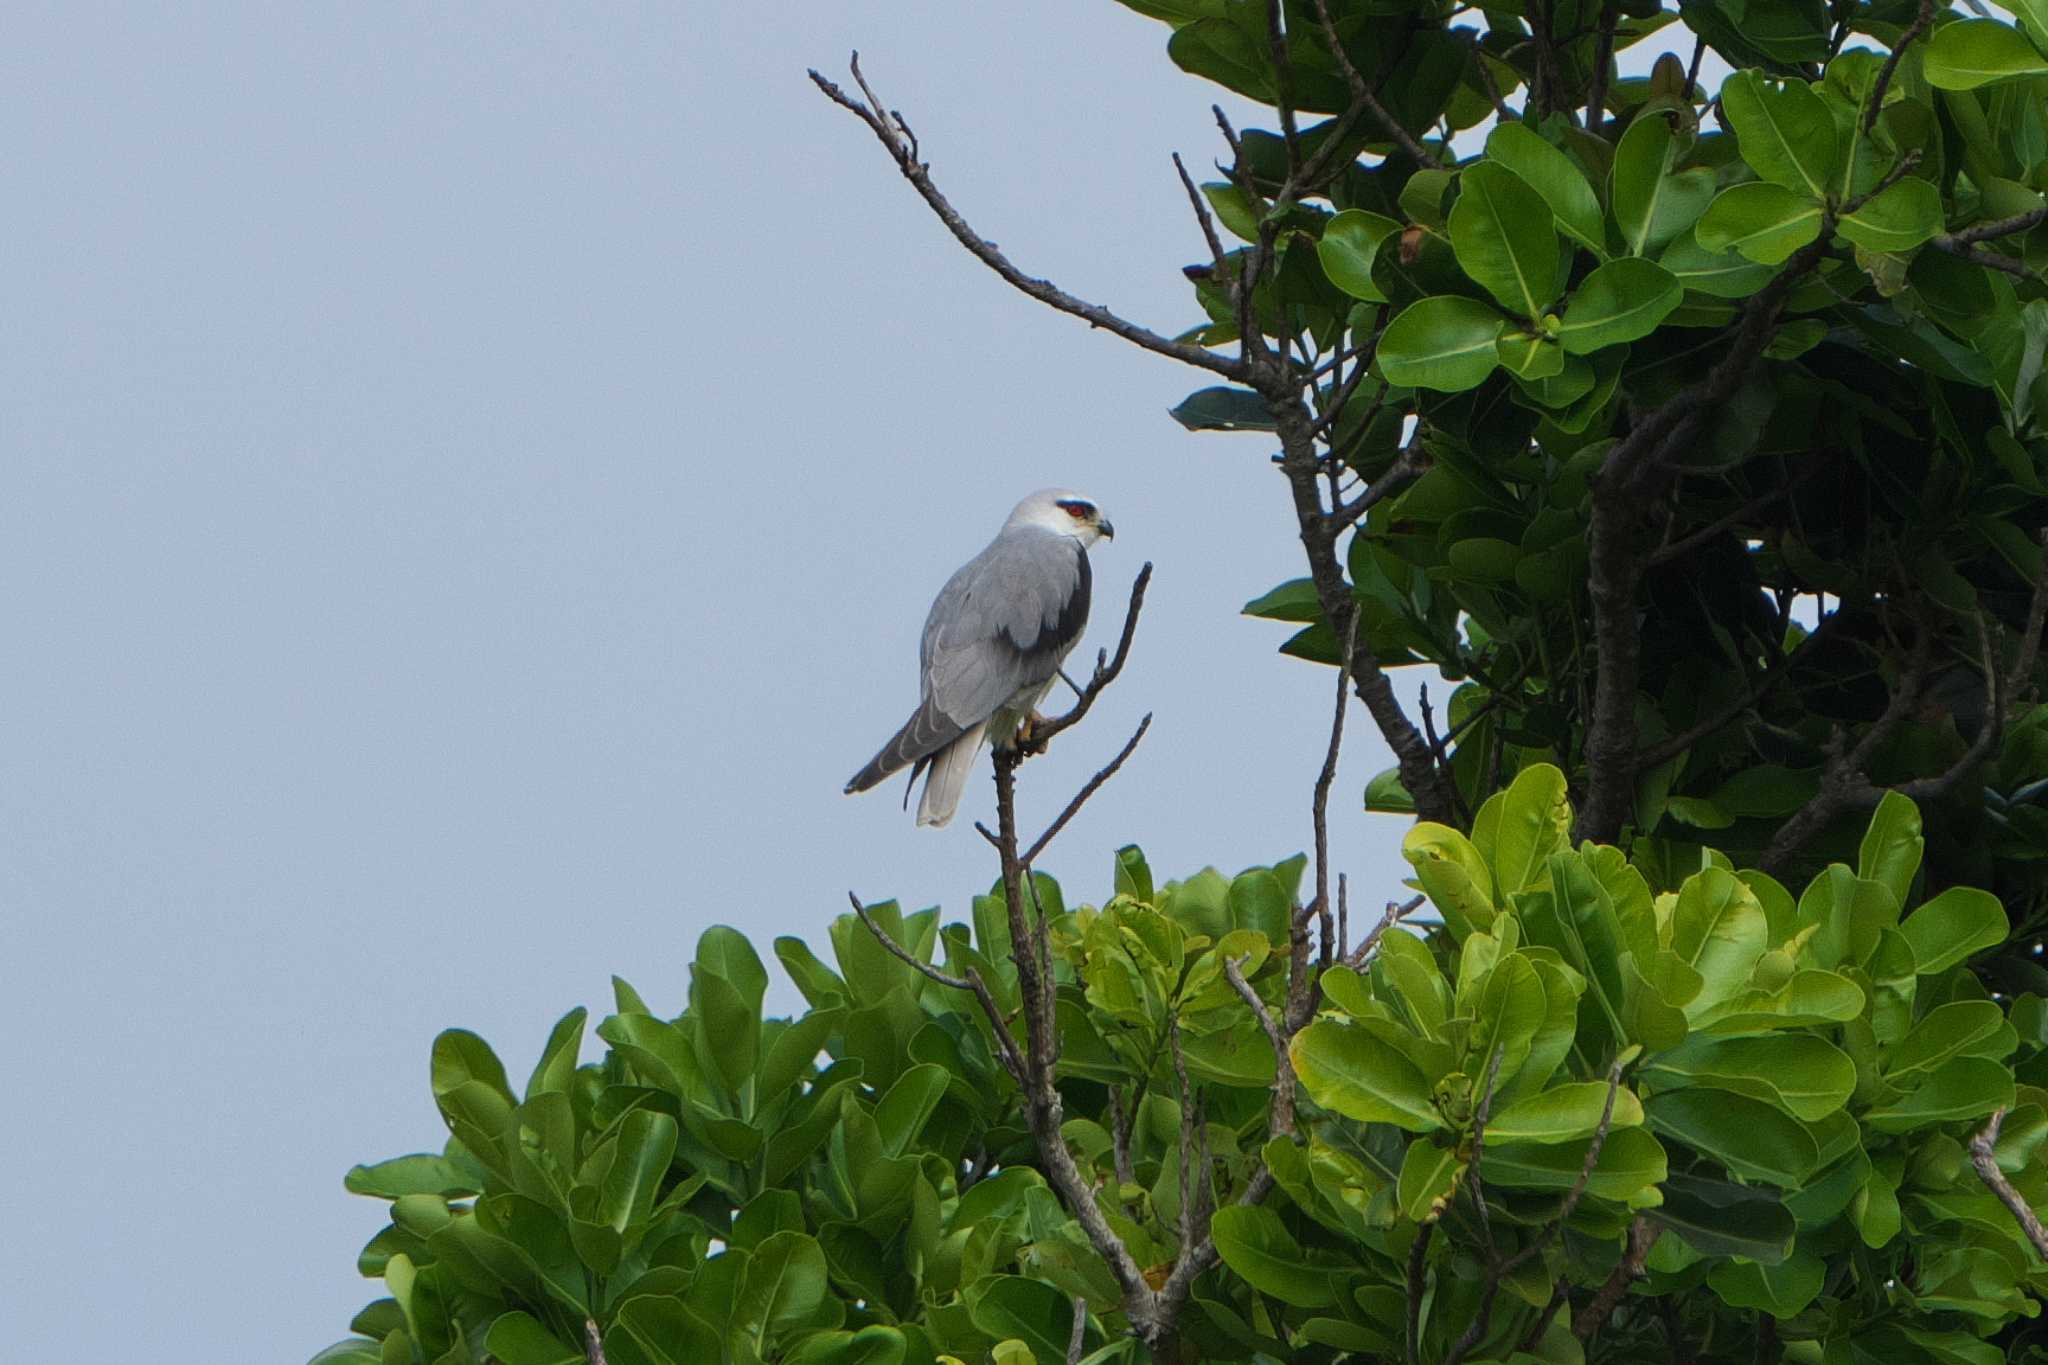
(1990, 260)
(593, 1342)
(1088, 789)
(1845, 784)
(1283, 84)
(1678, 549)
(891, 131)
(1642, 1235)
(1418, 1263)
(1343, 917)
(1362, 96)
(1105, 672)
(1997, 227)
(1188, 1235)
(1635, 474)
(902, 954)
(1572, 1196)
(1395, 910)
(1201, 209)
(1298, 461)
(1120, 1137)
(1044, 1111)
(1079, 1337)
(1320, 810)
(1984, 1156)
(1410, 465)
(1875, 105)
(1603, 57)
(1560, 1294)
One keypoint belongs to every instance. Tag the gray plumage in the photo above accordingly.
(993, 643)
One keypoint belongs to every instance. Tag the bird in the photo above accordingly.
(993, 643)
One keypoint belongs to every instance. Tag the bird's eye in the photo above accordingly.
(1077, 510)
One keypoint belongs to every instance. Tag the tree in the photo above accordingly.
(1695, 439)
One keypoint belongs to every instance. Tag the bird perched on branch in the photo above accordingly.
(992, 646)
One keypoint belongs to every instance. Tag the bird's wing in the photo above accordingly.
(1000, 625)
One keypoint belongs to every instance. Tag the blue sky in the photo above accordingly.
(470, 484)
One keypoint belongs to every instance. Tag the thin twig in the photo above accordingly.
(1642, 1235)
(1996, 228)
(1282, 1122)
(1320, 810)
(1984, 1156)
(1006, 1046)
(1990, 260)
(1676, 549)
(1120, 1137)
(1201, 209)
(1411, 465)
(1395, 910)
(1603, 57)
(1089, 789)
(1560, 1295)
(1187, 1131)
(1363, 96)
(1105, 672)
(889, 129)
(593, 1342)
(1079, 1336)
(1875, 105)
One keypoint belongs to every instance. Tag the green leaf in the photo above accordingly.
(1749, 1137)
(1718, 274)
(1721, 1218)
(1549, 172)
(403, 1175)
(1357, 1075)
(1502, 234)
(1890, 854)
(1953, 927)
(1253, 1241)
(356, 1351)
(1764, 222)
(1974, 52)
(646, 1144)
(1631, 1161)
(903, 1112)
(655, 1329)
(1453, 874)
(1719, 929)
(1653, 203)
(1565, 1113)
(1785, 132)
(519, 1339)
(1223, 409)
(1900, 219)
(1805, 1076)
(1618, 302)
(1444, 343)
(821, 986)
(724, 951)
(784, 1285)
(1533, 821)
(460, 1058)
(1966, 1088)
(1944, 1032)
(1349, 245)
(1428, 1174)
(1781, 1290)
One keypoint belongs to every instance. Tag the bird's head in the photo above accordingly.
(1064, 512)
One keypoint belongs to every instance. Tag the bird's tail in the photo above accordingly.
(948, 777)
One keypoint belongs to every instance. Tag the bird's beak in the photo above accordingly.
(1108, 531)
